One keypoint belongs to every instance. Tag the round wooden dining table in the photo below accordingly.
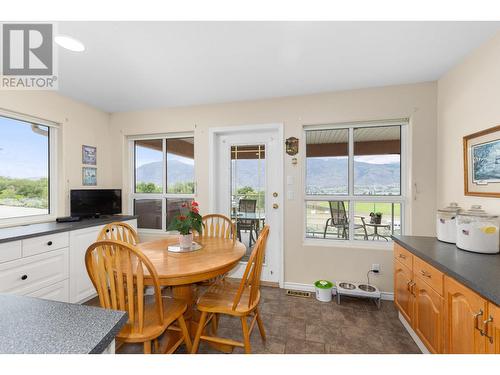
(182, 271)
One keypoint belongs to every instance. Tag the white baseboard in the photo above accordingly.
(413, 335)
(387, 296)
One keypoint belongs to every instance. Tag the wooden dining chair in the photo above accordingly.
(119, 231)
(216, 225)
(235, 299)
(117, 270)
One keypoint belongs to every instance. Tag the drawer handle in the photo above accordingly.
(402, 256)
(425, 274)
(49, 243)
(24, 277)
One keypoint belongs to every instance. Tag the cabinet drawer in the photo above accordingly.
(430, 275)
(10, 251)
(403, 255)
(27, 275)
(55, 292)
(42, 244)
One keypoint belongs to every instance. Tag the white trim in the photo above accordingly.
(140, 137)
(357, 124)
(54, 170)
(213, 133)
(413, 335)
(27, 118)
(386, 296)
(355, 244)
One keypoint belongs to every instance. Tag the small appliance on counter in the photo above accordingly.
(478, 231)
(446, 223)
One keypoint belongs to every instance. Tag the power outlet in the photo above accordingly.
(376, 267)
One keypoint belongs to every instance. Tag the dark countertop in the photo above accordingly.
(34, 230)
(479, 272)
(36, 326)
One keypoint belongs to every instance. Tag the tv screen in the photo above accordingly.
(86, 202)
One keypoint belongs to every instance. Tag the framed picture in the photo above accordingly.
(89, 155)
(89, 176)
(482, 163)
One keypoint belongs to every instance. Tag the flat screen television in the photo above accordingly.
(95, 202)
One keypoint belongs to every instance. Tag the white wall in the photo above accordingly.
(305, 264)
(80, 124)
(468, 101)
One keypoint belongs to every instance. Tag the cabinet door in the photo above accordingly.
(465, 312)
(81, 288)
(55, 292)
(402, 290)
(493, 329)
(428, 316)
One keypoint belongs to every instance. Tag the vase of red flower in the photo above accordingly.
(185, 222)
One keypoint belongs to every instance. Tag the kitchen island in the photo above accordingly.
(36, 326)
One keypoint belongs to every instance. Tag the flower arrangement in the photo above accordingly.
(188, 220)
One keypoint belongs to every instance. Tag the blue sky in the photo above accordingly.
(23, 153)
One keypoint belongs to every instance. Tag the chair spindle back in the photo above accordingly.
(220, 226)
(119, 231)
(117, 270)
(253, 270)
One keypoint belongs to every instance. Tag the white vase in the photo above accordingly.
(185, 240)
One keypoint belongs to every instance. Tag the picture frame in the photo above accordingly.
(89, 176)
(482, 163)
(89, 155)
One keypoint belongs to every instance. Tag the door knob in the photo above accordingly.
(275, 205)
(275, 194)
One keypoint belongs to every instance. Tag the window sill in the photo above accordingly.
(26, 220)
(378, 245)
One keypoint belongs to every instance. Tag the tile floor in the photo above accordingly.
(304, 325)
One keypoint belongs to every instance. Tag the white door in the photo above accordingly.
(247, 178)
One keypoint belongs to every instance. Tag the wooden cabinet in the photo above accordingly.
(403, 297)
(465, 312)
(447, 316)
(493, 329)
(428, 316)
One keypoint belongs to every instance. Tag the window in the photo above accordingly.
(353, 188)
(26, 154)
(163, 179)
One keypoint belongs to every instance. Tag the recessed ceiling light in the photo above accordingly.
(69, 43)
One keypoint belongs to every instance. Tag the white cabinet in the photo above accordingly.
(50, 266)
(55, 292)
(29, 274)
(81, 288)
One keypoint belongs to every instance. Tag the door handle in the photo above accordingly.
(275, 205)
(485, 332)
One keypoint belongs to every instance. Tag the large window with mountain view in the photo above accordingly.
(25, 156)
(163, 179)
(353, 184)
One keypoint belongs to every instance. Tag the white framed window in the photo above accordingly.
(28, 169)
(356, 185)
(162, 178)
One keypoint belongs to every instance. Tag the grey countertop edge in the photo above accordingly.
(106, 340)
(467, 282)
(58, 227)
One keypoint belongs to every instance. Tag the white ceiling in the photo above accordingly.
(140, 65)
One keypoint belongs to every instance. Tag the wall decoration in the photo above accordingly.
(89, 155)
(482, 163)
(89, 176)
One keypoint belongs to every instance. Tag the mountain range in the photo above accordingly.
(322, 173)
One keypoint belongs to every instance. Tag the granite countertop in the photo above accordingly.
(479, 272)
(36, 326)
(34, 230)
